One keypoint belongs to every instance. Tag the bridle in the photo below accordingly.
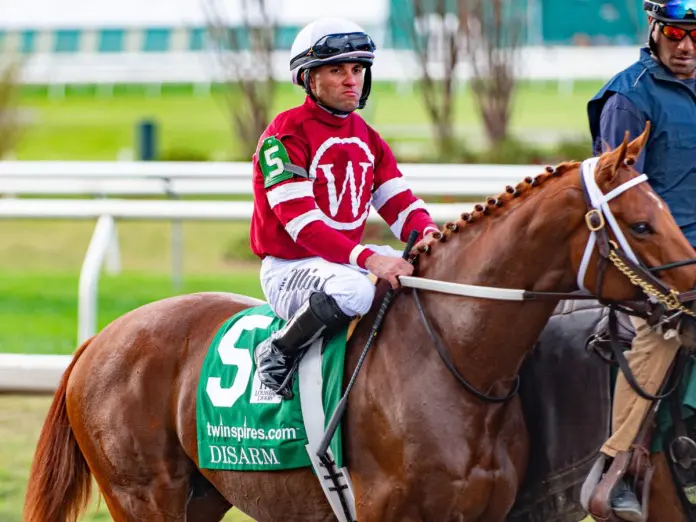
(622, 256)
(599, 220)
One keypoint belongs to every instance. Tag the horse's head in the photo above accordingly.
(628, 217)
(606, 232)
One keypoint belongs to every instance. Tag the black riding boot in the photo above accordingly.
(278, 356)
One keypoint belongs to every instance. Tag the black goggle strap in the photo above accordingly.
(367, 86)
(307, 86)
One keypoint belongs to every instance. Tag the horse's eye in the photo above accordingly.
(642, 229)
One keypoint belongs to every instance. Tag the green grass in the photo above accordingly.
(60, 246)
(38, 313)
(40, 263)
(86, 126)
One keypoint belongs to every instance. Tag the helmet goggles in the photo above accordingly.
(336, 44)
(673, 10)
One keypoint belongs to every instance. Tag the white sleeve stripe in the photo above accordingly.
(398, 225)
(290, 191)
(295, 225)
(354, 254)
(430, 228)
(388, 190)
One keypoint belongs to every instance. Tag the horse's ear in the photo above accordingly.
(637, 145)
(620, 153)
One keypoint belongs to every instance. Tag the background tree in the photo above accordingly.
(10, 124)
(493, 31)
(453, 39)
(431, 28)
(245, 56)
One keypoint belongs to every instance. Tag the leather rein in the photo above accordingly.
(598, 218)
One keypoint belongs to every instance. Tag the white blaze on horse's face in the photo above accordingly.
(657, 200)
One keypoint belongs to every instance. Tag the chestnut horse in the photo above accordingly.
(418, 446)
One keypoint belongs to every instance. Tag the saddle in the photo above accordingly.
(572, 359)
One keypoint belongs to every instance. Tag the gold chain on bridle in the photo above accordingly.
(670, 301)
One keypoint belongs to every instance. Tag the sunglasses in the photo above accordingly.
(334, 44)
(677, 34)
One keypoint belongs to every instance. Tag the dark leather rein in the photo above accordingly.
(609, 253)
(444, 355)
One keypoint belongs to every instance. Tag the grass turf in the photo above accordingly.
(38, 312)
(86, 126)
(39, 272)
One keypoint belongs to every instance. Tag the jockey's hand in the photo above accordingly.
(389, 268)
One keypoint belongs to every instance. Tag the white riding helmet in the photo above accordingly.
(330, 41)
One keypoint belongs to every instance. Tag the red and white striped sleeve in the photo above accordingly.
(394, 201)
(295, 206)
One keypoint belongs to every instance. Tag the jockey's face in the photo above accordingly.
(338, 86)
(679, 56)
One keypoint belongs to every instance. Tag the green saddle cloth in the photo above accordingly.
(241, 424)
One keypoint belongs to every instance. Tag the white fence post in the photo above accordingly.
(113, 254)
(89, 278)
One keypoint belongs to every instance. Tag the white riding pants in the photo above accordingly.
(288, 283)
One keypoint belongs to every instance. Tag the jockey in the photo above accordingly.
(659, 87)
(317, 169)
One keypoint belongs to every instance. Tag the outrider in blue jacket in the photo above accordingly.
(648, 91)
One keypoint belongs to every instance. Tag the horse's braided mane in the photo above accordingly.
(493, 205)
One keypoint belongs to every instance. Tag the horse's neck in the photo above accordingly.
(490, 338)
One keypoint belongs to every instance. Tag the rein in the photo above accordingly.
(450, 365)
(620, 255)
(617, 350)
